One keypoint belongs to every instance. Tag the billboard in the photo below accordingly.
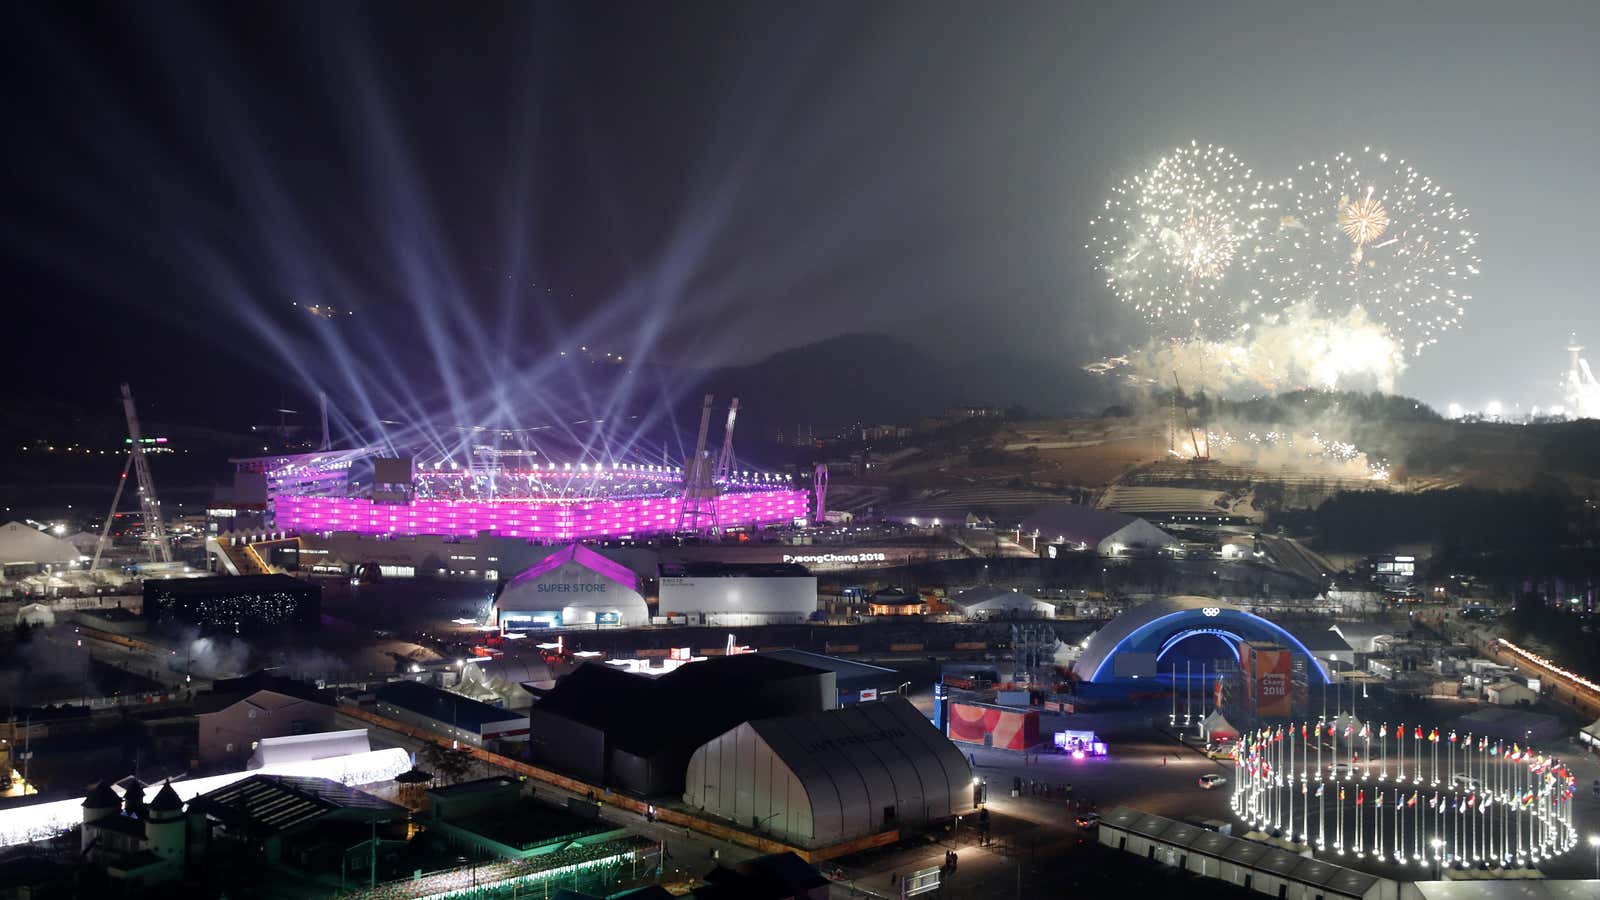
(991, 726)
(1268, 677)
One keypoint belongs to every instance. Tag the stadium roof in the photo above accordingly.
(25, 545)
(1139, 623)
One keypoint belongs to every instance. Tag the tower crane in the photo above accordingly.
(155, 530)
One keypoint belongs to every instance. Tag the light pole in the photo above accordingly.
(1594, 841)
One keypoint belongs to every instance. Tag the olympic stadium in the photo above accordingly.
(586, 496)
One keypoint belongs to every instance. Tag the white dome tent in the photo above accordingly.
(991, 602)
(24, 545)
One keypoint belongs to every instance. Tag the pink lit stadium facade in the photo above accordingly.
(323, 493)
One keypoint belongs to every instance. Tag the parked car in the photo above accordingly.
(1207, 782)
(1088, 821)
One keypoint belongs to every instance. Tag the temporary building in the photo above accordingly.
(1002, 603)
(1215, 726)
(1105, 532)
(1590, 734)
(573, 586)
(24, 545)
(821, 779)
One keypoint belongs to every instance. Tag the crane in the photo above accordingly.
(155, 531)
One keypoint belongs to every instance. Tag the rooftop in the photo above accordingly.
(462, 712)
(267, 804)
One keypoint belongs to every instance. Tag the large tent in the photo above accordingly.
(825, 778)
(573, 586)
(24, 545)
(991, 602)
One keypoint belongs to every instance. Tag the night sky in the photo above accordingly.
(703, 184)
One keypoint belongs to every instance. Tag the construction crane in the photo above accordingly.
(1194, 437)
(725, 461)
(698, 512)
(155, 531)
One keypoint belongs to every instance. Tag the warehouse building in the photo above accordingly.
(238, 713)
(827, 777)
(574, 586)
(636, 733)
(452, 715)
(736, 596)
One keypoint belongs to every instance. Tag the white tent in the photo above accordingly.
(1215, 726)
(1002, 603)
(1590, 734)
(22, 545)
(36, 615)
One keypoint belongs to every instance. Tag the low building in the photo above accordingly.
(1254, 866)
(1508, 692)
(574, 586)
(135, 844)
(737, 596)
(298, 748)
(833, 776)
(1327, 645)
(491, 817)
(637, 733)
(237, 713)
(892, 601)
(854, 682)
(235, 604)
(313, 825)
(451, 715)
(1369, 637)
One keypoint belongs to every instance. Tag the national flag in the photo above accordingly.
(1452, 737)
(1303, 735)
(1303, 788)
(1319, 789)
(1472, 801)
(1361, 796)
(1349, 729)
(1433, 802)
(1377, 800)
(1515, 754)
(1483, 742)
(1495, 750)
(1418, 734)
(1433, 736)
(1341, 793)
(1365, 730)
(1333, 730)
(1413, 799)
(1399, 732)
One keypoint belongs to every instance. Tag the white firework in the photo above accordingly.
(1364, 232)
(1168, 239)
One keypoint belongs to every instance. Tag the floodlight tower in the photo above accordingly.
(698, 512)
(725, 461)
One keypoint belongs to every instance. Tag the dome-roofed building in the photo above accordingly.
(990, 602)
(572, 586)
(1137, 642)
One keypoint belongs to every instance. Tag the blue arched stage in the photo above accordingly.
(1134, 643)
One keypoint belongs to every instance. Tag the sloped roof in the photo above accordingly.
(268, 804)
(23, 544)
(583, 556)
(991, 597)
(1076, 522)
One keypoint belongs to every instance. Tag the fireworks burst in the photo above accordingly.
(1373, 234)
(1168, 238)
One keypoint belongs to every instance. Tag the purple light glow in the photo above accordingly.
(542, 520)
(585, 557)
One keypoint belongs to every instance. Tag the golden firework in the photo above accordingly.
(1363, 220)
